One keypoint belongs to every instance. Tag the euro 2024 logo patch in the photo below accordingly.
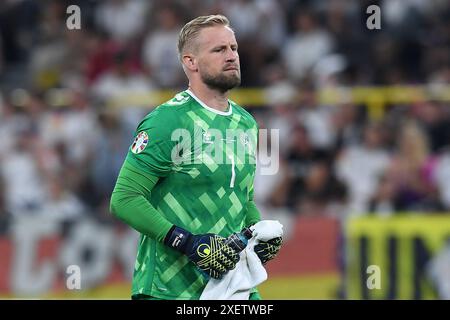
(140, 142)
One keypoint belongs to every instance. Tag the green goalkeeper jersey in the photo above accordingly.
(206, 162)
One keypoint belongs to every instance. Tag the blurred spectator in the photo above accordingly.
(361, 166)
(244, 16)
(8, 120)
(435, 120)
(321, 191)
(271, 190)
(60, 203)
(56, 48)
(160, 51)
(309, 43)
(72, 127)
(281, 96)
(317, 119)
(348, 125)
(272, 27)
(124, 87)
(384, 201)
(262, 20)
(302, 157)
(122, 20)
(412, 170)
(101, 56)
(18, 34)
(22, 175)
(111, 147)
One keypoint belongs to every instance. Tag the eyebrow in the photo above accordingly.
(221, 46)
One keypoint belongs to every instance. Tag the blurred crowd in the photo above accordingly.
(62, 144)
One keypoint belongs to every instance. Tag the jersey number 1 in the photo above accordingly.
(233, 173)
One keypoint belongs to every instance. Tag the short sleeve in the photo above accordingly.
(152, 146)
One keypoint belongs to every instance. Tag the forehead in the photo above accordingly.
(217, 35)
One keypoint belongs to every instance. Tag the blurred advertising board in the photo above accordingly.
(41, 258)
(397, 257)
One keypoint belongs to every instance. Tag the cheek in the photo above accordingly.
(209, 66)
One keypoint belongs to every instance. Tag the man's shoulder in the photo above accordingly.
(170, 111)
(247, 116)
(181, 102)
(178, 102)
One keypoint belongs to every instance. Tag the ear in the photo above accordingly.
(190, 62)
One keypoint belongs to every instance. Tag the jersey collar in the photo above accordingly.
(223, 113)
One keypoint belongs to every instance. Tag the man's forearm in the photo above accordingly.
(253, 214)
(129, 203)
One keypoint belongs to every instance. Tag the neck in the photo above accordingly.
(212, 98)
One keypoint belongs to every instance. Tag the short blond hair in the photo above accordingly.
(191, 29)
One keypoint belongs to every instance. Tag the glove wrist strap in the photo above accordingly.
(178, 239)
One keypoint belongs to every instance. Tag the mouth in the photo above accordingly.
(231, 68)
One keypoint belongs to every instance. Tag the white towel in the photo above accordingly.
(249, 271)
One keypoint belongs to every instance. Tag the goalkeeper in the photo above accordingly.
(187, 183)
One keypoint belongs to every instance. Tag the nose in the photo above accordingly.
(231, 55)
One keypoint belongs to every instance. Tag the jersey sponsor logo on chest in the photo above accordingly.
(211, 135)
(208, 139)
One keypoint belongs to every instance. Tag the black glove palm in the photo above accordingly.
(267, 250)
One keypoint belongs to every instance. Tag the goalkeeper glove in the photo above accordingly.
(267, 250)
(207, 251)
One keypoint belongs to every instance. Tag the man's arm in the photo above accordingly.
(129, 203)
(253, 214)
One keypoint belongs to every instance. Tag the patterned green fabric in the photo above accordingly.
(144, 297)
(206, 162)
(253, 296)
